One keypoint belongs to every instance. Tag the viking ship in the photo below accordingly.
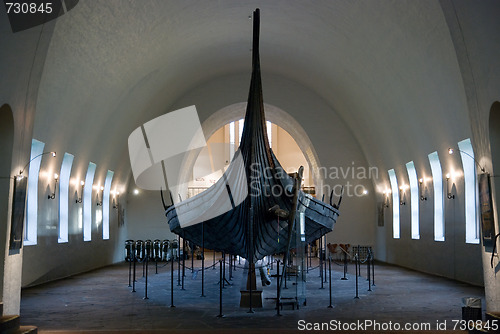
(261, 221)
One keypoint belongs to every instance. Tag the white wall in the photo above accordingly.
(146, 216)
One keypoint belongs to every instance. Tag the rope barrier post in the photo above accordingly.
(172, 283)
(320, 260)
(179, 260)
(278, 297)
(202, 261)
(230, 267)
(307, 258)
(330, 279)
(192, 260)
(143, 269)
(369, 274)
(220, 292)
(357, 259)
(133, 280)
(223, 270)
(130, 273)
(183, 263)
(146, 282)
(324, 264)
(373, 268)
(345, 266)
(359, 262)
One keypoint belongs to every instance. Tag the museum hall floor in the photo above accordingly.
(101, 302)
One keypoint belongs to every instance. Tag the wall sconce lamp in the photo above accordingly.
(451, 151)
(116, 203)
(79, 199)
(448, 190)
(99, 203)
(421, 186)
(53, 195)
(402, 190)
(20, 176)
(386, 193)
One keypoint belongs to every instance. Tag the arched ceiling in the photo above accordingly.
(388, 68)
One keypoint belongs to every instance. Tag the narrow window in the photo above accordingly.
(240, 128)
(32, 204)
(105, 205)
(232, 140)
(64, 177)
(395, 204)
(269, 133)
(437, 180)
(412, 177)
(87, 202)
(471, 218)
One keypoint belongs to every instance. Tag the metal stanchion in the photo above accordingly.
(146, 282)
(172, 283)
(373, 269)
(324, 264)
(357, 296)
(330, 279)
(179, 260)
(369, 274)
(359, 262)
(192, 260)
(345, 266)
(223, 270)
(129, 273)
(183, 263)
(133, 280)
(321, 276)
(220, 291)
(278, 297)
(320, 260)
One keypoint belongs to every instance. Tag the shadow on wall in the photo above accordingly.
(6, 143)
(494, 125)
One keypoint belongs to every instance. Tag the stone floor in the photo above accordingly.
(101, 301)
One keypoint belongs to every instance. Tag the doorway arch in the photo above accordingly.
(275, 115)
(6, 147)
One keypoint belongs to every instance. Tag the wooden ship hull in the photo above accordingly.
(238, 214)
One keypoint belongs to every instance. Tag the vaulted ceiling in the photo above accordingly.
(388, 68)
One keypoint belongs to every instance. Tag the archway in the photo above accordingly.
(6, 144)
(274, 114)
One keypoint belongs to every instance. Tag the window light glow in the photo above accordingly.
(437, 177)
(31, 229)
(414, 197)
(67, 163)
(232, 140)
(395, 204)
(469, 167)
(105, 205)
(269, 133)
(87, 202)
